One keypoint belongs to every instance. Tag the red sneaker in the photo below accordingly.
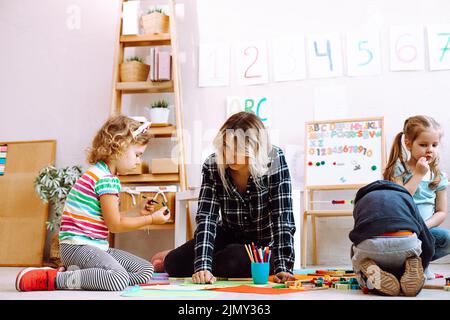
(36, 279)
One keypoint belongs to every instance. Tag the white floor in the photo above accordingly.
(8, 291)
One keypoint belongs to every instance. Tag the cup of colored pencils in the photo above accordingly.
(259, 257)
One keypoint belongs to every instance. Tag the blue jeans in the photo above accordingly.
(442, 244)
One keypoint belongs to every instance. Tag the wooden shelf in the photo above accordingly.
(145, 40)
(162, 132)
(148, 177)
(145, 87)
(166, 226)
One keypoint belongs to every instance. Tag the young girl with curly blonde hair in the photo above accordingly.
(91, 212)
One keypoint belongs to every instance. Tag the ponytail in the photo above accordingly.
(397, 153)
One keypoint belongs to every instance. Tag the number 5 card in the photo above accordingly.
(363, 54)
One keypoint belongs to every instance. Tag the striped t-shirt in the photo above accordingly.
(82, 221)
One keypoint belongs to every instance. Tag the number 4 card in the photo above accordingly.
(363, 54)
(251, 63)
(324, 56)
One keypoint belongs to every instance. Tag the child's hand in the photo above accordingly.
(422, 166)
(160, 216)
(146, 207)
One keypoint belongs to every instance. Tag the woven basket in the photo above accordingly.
(132, 71)
(155, 22)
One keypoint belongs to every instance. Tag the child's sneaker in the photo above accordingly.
(413, 279)
(382, 281)
(36, 279)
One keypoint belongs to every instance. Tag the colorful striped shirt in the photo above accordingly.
(82, 221)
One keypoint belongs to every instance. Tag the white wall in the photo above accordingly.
(55, 83)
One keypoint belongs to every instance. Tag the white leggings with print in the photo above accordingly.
(90, 268)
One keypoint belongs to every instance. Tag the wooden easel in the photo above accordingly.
(310, 190)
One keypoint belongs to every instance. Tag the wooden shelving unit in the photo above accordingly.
(152, 87)
(145, 87)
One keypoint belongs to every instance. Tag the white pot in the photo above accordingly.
(159, 115)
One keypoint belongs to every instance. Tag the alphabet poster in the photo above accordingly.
(258, 105)
(344, 152)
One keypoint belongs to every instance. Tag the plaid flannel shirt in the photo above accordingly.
(263, 215)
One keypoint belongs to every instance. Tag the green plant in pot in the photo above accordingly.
(155, 21)
(52, 186)
(134, 69)
(159, 112)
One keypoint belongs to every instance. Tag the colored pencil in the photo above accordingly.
(254, 252)
(249, 253)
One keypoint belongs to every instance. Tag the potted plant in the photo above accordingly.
(134, 69)
(159, 112)
(52, 185)
(155, 21)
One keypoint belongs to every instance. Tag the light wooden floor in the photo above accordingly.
(8, 292)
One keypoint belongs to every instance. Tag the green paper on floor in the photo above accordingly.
(137, 291)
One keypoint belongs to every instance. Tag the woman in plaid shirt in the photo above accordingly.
(245, 197)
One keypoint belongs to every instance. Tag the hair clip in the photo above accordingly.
(143, 128)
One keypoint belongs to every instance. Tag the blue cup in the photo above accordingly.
(260, 272)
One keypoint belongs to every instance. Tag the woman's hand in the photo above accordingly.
(282, 277)
(146, 207)
(422, 166)
(203, 277)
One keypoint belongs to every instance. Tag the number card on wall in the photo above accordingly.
(251, 63)
(325, 56)
(213, 65)
(289, 59)
(363, 54)
(344, 152)
(439, 46)
(407, 48)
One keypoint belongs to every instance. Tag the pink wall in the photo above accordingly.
(55, 83)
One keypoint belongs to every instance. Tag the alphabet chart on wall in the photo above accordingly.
(344, 152)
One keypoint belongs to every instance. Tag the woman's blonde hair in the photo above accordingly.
(114, 137)
(243, 134)
(412, 128)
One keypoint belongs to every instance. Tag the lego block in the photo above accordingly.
(166, 165)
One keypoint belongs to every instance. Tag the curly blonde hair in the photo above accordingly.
(114, 137)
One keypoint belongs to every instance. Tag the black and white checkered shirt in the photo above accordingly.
(263, 215)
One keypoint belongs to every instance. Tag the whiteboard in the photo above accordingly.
(344, 152)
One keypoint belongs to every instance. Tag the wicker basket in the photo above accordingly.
(132, 71)
(155, 22)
